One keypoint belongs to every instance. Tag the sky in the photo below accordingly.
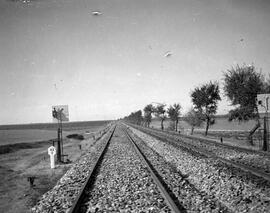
(56, 52)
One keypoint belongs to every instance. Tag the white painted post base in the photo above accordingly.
(52, 152)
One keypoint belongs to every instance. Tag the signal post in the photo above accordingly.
(60, 114)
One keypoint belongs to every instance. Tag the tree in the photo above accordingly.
(193, 118)
(266, 85)
(241, 86)
(160, 112)
(148, 110)
(205, 100)
(174, 113)
(135, 117)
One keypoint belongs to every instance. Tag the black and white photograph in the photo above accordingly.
(134, 106)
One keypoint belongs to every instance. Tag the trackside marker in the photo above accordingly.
(52, 152)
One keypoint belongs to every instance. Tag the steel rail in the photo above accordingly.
(206, 153)
(163, 191)
(215, 143)
(79, 198)
(207, 141)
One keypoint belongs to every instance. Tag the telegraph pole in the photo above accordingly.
(60, 114)
(266, 127)
(265, 123)
(61, 134)
(59, 153)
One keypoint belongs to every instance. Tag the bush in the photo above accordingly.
(171, 126)
(76, 136)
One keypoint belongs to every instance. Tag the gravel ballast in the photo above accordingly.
(123, 183)
(62, 196)
(255, 159)
(188, 196)
(238, 190)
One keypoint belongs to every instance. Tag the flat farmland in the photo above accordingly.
(68, 126)
(25, 133)
(233, 133)
(13, 136)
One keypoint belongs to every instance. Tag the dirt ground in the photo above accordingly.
(16, 194)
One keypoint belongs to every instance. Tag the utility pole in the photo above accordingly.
(266, 128)
(60, 135)
(265, 124)
(57, 114)
(60, 114)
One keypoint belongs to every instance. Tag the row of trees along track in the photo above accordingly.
(255, 162)
(241, 86)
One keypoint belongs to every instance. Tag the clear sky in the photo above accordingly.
(55, 52)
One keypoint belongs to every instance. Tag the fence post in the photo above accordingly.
(265, 133)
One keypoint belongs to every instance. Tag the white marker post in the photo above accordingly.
(52, 152)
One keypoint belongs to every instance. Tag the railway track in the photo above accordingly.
(221, 145)
(233, 156)
(189, 197)
(129, 176)
(165, 194)
(121, 182)
(105, 171)
(89, 180)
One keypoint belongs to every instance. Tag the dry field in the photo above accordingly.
(12, 136)
(233, 133)
(24, 153)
